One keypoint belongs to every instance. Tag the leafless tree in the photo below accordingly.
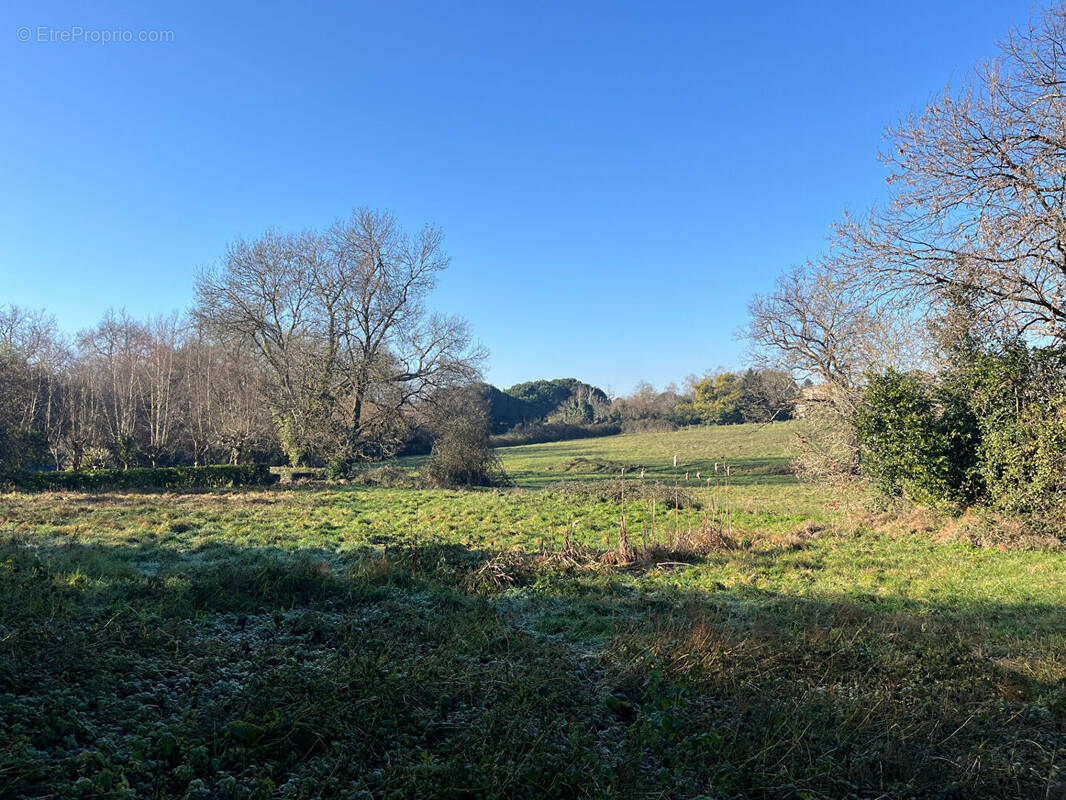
(340, 321)
(827, 328)
(222, 391)
(394, 351)
(115, 351)
(270, 293)
(35, 358)
(158, 380)
(81, 414)
(979, 193)
(821, 324)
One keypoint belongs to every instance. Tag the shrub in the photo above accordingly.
(21, 449)
(1018, 395)
(170, 478)
(461, 456)
(990, 429)
(648, 425)
(917, 440)
(388, 476)
(540, 432)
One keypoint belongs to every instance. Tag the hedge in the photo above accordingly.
(217, 477)
(541, 432)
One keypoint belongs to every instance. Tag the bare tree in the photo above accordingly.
(199, 375)
(339, 319)
(222, 390)
(822, 326)
(394, 351)
(979, 192)
(158, 379)
(115, 350)
(36, 356)
(268, 292)
(81, 413)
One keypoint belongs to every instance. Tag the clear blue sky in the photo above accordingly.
(614, 179)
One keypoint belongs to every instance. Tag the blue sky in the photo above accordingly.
(614, 180)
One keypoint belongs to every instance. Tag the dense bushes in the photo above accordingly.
(538, 432)
(1019, 395)
(216, 477)
(918, 440)
(21, 448)
(990, 430)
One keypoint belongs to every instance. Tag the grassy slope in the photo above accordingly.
(326, 642)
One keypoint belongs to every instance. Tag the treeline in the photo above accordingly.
(310, 348)
(718, 398)
(568, 408)
(313, 349)
(175, 390)
(935, 327)
(127, 393)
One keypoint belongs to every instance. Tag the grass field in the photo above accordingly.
(353, 642)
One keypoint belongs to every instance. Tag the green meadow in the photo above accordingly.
(765, 638)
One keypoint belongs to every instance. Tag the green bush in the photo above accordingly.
(990, 430)
(21, 448)
(171, 478)
(1019, 395)
(918, 440)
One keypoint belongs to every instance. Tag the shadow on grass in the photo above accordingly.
(447, 671)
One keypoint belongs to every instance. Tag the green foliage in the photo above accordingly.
(21, 449)
(504, 409)
(562, 402)
(917, 442)
(575, 411)
(685, 413)
(1019, 395)
(990, 429)
(169, 478)
(717, 399)
(728, 398)
(544, 398)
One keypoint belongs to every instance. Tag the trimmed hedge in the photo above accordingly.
(217, 477)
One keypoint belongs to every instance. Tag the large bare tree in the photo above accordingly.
(339, 318)
(395, 352)
(978, 199)
(822, 325)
